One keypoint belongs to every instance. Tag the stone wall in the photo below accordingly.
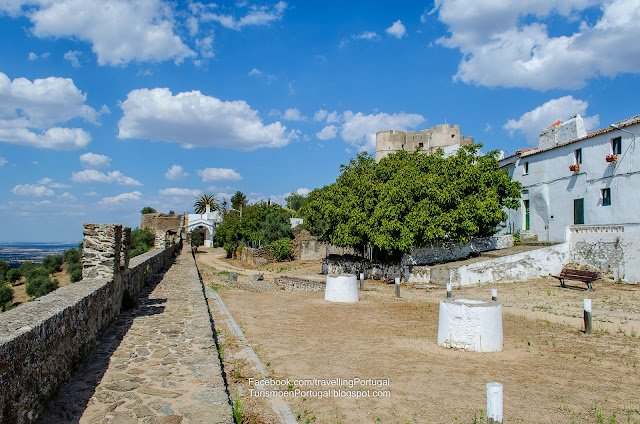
(257, 257)
(162, 222)
(42, 342)
(414, 266)
(608, 248)
(307, 247)
(450, 251)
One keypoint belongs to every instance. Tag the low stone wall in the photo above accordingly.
(307, 247)
(450, 251)
(298, 284)
(42, 342)
(413, 267)
(257, 257)
(607, 248)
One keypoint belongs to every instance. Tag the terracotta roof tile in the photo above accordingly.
(555, 124)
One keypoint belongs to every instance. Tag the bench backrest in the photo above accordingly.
(568, 273)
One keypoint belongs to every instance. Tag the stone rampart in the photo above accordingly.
(42, 342)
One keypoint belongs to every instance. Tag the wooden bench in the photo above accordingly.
(574, 274)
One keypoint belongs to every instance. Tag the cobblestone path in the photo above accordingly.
(158, 363)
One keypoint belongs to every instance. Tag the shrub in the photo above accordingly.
(141, 241)
(516, 239)
(147, 209)
(72, 256)
(197, 239)
(4, 269)
(282, 249)
(6, 296)
(39, 285)
(75, 272)
(53, 263)
(14, 275)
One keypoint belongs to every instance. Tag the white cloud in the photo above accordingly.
(320, 115)
(72, 56)
(397, 29)
(119, 31)
(33, 190)
(89, 176)
(194, 119)
(120, 198)
(268, 78)
(302, 191)
(257, 15)
(179, 192)
(367, 35)
(255, 72)
(328, 132)
(360, 130)
(500, 49)
(175, 173)
(95, 161)
(51, 184)
(33, 56)
(532, 123)
(29, 110)
(293, 114)
(3, 161)
(218, 174)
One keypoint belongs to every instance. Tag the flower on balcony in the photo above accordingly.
(611, 158)
(574, 168)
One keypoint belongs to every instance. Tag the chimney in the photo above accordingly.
(208, 208)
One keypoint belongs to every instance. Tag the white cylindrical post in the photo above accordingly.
(448, 289)
(494, 294)
(397, 286)
(361, 281)
(494, 403)
(588, 328)
(341, 288)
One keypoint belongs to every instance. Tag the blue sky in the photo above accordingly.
(107, 106)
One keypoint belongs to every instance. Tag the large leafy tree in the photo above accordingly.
(412, 199)
(200, 206)
(295, 201)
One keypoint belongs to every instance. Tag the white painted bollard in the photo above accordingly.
(397, 281)
(361, 281)
(341, 288)
(494, 403)
(588, 328)
(448, 289)
(494, 294)
(470, 324)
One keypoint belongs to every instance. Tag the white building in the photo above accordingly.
(205, 224)
(574, 178)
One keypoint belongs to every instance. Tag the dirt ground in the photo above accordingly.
(19, 288)
(551, 371)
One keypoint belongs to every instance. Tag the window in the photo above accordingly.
(578, 154)
(606, 197)
(578, 211)
(616, 145)
(526, 168)
(421, 145)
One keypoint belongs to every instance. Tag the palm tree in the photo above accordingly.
(206, 199)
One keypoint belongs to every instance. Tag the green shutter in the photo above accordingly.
(578, 211)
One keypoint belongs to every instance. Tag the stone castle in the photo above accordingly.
(445, 137)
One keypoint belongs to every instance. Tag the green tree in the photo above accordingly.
(295, 201)
(141, 241)
(72, 256)
(6, 296)
(4, 269)
(197, 239)
(75, 271)
(276, 225)
(200, 206)
(172, 212)
(14, 275)
(148, 209)
(412, 199)
(53, 263)
(238, 200)
(39, 285)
